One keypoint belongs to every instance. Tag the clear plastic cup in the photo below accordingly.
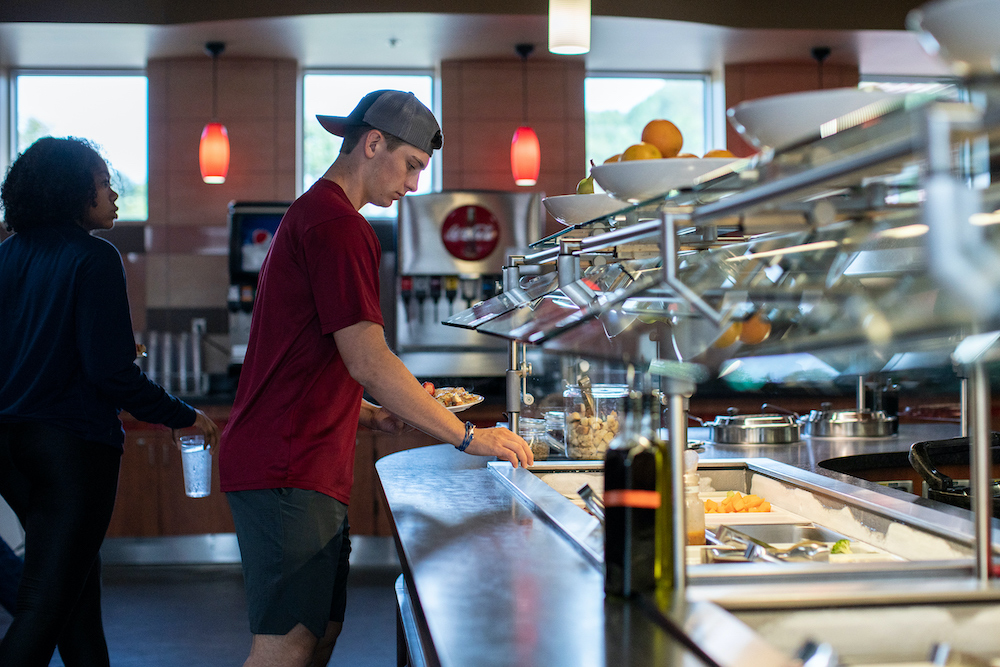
(196, 458)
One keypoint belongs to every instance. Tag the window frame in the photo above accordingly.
(715, 133)
(8, 79)
(434, 170)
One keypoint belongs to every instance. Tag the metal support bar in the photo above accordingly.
(981, 468)
(677, 395)
(670, 245)
(568, 261)
(738, 202)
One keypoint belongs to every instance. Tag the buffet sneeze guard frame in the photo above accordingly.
(806, 180)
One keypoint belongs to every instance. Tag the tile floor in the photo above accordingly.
(195, 616)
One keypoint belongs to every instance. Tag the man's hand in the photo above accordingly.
(503, 444)
(383, 420)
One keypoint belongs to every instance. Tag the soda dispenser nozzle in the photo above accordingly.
(406, 292)
(450, 292)
(435, 292)
(421, 287)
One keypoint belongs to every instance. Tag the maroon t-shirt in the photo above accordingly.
(295, 417)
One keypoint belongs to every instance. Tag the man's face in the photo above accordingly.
(394, 172)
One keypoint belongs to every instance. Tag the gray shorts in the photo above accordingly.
(295, 546)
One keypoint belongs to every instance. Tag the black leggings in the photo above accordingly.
(62, 489)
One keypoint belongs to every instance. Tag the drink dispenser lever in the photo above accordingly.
(470, 287)
(406, 292)
(421, 286)
(435, 292)
(450, 292)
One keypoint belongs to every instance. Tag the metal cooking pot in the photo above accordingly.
(953, 451)
(849, 423)
(760, 429)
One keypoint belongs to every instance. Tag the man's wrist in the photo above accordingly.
(470, 430)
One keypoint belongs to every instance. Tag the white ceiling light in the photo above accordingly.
(569, 27)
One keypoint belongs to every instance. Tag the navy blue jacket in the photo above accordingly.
(67, 351)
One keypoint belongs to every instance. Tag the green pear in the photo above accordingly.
(586, 186)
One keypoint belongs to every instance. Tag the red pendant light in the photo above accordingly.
(213, 151)
(525, 152)
(525, 156)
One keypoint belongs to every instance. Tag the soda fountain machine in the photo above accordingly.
(251, 227)
(451, 248)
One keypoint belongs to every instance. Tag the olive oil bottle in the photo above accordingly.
(632, 502)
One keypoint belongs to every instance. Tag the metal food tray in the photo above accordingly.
(865, 512)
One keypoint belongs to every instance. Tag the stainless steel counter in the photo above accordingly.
(489, 582)
(492, 581)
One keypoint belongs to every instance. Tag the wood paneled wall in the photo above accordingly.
(184, 268)
(482, 106)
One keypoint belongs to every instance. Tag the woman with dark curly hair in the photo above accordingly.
(67, 368)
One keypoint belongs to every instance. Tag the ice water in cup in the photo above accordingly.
(196, 457)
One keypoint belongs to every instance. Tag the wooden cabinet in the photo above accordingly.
(151, 500)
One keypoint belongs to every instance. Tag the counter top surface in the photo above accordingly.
(496, 585)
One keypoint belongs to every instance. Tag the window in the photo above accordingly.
(108, 109)
(618, 107)
(336, 94)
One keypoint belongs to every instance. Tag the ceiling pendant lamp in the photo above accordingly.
(525, 152)
(213, 151)
(569, 27)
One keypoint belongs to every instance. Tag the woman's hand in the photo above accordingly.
(203, 423)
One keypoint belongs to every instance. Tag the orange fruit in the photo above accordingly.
(664, 135)
(718, 152)
(728, 336)
(755, 329)
(687, 155)
(641, 151)
(613, 158)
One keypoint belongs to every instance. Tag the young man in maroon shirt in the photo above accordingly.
(316, 344)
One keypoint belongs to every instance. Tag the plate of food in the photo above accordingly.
(455, 399)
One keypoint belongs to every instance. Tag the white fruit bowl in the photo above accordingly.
(639, 180)
(781, 120)
(965, 33)
(576, 209)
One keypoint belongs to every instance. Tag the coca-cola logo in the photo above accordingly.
(470, 232)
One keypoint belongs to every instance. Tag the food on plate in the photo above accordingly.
(614, 158)
(687, 155)
(641, 151)
(451, 397)
(429, 388)
(841, 547)
(737, 502)
(718, 152)
(664, 135)
(587, 437)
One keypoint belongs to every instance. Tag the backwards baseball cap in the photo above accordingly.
(393, 111)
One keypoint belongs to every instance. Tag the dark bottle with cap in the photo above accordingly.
(631, 501)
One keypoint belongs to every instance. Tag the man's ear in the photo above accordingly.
(372, 140)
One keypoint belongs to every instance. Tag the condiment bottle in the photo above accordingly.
(694, 508)
(631, 502)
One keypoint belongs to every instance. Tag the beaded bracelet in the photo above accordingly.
(470, 428)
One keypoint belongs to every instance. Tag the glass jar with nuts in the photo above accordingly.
(592, 418)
